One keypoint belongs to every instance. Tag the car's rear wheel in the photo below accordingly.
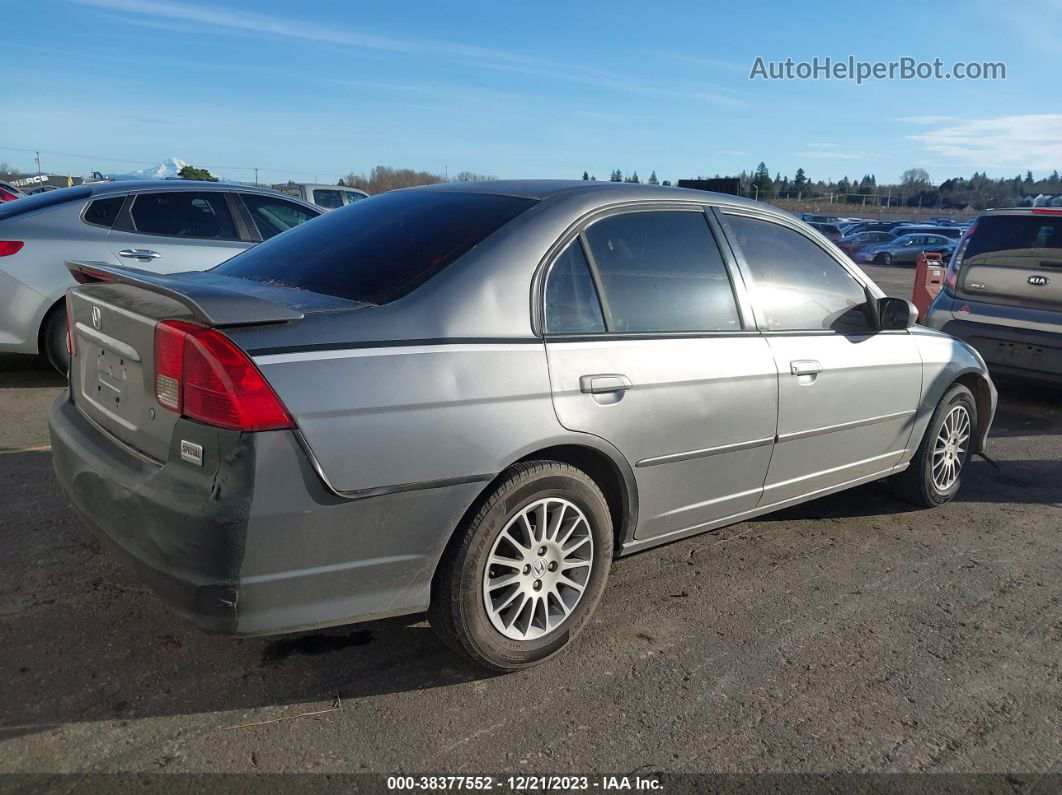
(883, 259)
(53, 339)
(521, 578)
(935, 473)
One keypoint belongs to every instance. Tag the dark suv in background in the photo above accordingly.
(1003, 292)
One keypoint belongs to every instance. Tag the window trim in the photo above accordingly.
(576, 231)
(801, 229)
(125, 222)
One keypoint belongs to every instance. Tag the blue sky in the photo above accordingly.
(318, 89)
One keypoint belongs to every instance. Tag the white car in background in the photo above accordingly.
(330, 197)
(165, 226)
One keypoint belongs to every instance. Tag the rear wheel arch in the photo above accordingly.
(50, 317)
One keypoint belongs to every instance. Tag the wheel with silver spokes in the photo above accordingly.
(521, 577)
(949, 449)
(935, 472)
(538, 569)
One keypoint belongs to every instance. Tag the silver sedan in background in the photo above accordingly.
(161, 226)
(467, 398)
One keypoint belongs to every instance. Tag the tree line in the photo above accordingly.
(915, 189)
(633, 178)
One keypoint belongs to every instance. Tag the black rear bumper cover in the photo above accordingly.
(182, 528)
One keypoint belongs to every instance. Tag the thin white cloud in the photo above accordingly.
(822, 145)
(222, 19)
(1030, 142)
(830, 155)
(924, 119)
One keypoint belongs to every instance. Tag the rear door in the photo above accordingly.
(847, 393)
(649, 349)
(179, 230)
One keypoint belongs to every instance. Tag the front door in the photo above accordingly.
(647, 349)
(847, 393)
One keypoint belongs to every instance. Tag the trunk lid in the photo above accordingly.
(112, 375)
(1013, 259)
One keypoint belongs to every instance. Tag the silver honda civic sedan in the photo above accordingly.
(466, 399)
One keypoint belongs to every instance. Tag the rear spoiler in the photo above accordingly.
(209, 302)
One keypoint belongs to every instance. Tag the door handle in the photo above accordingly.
(805, 367)
(602, 384)
(139, 253)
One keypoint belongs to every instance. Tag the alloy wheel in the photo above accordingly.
(538, 569)
(949, 448)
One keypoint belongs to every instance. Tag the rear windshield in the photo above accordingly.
(51, 198)
(379, 249)
(1015, 233)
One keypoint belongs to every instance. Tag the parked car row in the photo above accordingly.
(888, 242)
(162, 226)
(467, 398)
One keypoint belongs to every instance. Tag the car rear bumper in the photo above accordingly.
(1024, 353)
(254, 543)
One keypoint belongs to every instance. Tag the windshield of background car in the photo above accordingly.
(379, 249)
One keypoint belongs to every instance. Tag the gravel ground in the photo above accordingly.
(847, 634)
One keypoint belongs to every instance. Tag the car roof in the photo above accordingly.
(127, 185)
(542, 189)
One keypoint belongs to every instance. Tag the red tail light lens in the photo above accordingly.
(9, 247)
(200, 373)
(7, 196)
(1046, 211)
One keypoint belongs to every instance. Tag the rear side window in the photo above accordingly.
(103, 212)
(572, 305)
(329, 199)
(272, 216)
(184, 214)
(378, 251)
(662, 271)
(1015, 234)
(353, 196)
(798, 286)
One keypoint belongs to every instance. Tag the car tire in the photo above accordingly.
(53, 339)
(535, 506)
(884, 259)
(935, 473)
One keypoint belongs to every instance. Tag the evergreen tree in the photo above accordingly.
(800, 181)
(762, 184)
(652, 179)
(586, 177)
(617, 176)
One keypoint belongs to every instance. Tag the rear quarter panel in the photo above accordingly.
(388, 416)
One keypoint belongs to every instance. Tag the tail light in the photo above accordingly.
(200, 373)
(951, 278)
(9, 247)
(1046, 211)
(71, 342)
(7, 196)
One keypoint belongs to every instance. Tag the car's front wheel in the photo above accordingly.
(935, 473)
(521, 578)
(884, 258)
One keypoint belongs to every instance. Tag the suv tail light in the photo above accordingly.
(951, 278)
(9, 247)
(200, 373)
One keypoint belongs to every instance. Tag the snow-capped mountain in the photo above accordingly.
(170, 167)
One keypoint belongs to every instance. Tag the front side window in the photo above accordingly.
(329, 199)
(572, 305)
(272, 216)
(191, 214)
(798, 286)
(662, 271)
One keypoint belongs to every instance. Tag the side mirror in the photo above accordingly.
(896, 314)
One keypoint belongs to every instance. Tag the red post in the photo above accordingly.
(929, 278)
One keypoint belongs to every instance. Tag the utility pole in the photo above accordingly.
(256, 176)
(446, 171)
(39, 172)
